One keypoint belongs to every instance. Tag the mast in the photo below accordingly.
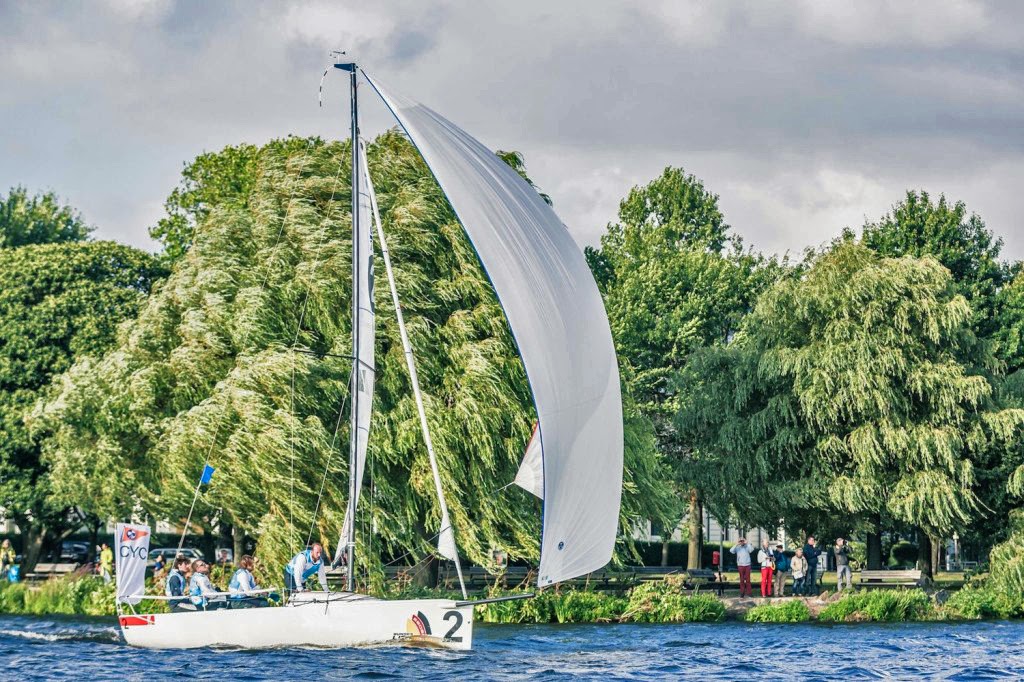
(353, 460)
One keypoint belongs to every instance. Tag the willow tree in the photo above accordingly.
(855, 389)
(239, 361)
(674, 280)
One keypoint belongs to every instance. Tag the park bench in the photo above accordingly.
(45, 571)
(910, 578)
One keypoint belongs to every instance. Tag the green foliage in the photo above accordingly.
(673, 281)
(549, 606)
(1006, 561)
(918, 227)
(72, 595)
(239, 358)
(58, 303)
(857, 388)
(794, 611)
(903, 553)
(886, 606)
(40, 219)
(220, 179)
(665, 601)
(973, 603)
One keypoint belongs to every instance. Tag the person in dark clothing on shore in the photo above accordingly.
(811, 553)
(842, 555)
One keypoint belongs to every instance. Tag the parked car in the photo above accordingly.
(74, 552)
(169, 553)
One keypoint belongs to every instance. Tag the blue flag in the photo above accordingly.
(207, 474)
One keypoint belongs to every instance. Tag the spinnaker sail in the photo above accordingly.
(530, 476)
(558, 320)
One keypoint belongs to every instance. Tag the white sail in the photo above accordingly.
(558, 320)
(530, 476)
(363, 329)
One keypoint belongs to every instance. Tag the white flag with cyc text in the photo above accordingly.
(131, 549)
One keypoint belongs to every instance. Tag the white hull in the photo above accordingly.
(314, 619)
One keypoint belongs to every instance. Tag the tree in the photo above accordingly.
(58, 303)
(221, 179)
(673, 280)
(856, 389)
(919, 226)
(239, 360)
(40, 219)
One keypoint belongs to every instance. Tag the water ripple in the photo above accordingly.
(48, 648)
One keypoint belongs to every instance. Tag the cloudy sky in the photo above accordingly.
(804, 116)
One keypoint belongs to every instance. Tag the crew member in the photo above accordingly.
(243, 585)
(303, 565)
(201, 590)
(176, 583)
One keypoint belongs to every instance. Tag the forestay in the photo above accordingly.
(558, 320)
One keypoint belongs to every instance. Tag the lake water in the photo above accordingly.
(48, 648)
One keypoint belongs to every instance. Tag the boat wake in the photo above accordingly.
(106, 635)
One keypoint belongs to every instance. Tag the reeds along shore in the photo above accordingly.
(656, 602)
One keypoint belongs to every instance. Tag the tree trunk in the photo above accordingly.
(924, 555)
(33, 539)
(94, 538)
(424, 574)
(874, 545)
(664, 550)
(936, 544)
(237, 541)
(696, 531)
(208, 544)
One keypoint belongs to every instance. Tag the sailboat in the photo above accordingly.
(574, 459)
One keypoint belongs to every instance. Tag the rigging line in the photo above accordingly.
(298, 330)
(245, 339)
(327, 467)
(438, 533)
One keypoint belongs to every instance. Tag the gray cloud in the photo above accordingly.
(804, 116)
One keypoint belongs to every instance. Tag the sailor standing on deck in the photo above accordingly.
(303, 565)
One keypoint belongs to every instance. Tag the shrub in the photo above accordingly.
(571, 606)
(588, 607)
(880, 605)
(87, 595)
(903, 554)
(982, 602)
(786, 612)
(664, 602)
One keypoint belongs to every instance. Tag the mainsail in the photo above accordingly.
(363, 331)
(558, 320)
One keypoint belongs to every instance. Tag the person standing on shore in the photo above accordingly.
(106, 562)
(842, 554)
(766, 558)
(811, 553)
(742, 551)
(7, 558)
(798, 565)
(781, 571)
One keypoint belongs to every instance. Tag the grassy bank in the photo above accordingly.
(88, 596)
(655, 602)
